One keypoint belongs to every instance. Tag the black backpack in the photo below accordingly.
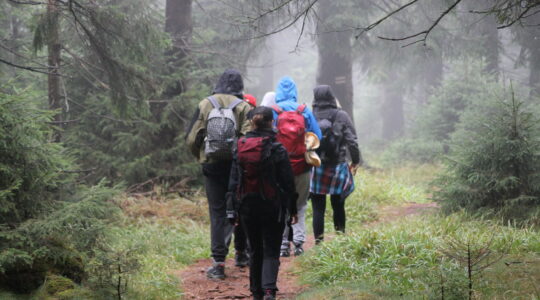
(331, 140)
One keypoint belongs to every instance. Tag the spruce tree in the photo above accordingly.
(494, 162)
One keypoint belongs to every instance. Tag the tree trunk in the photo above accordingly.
(433, 74)
(392, 109)
(53, 49)
(490, 43)
(534, 55)
(179, 24)
(335, 58)
(266, 83)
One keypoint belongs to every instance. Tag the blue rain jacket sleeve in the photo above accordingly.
(286, 98)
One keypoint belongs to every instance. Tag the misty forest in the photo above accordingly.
(101, 198)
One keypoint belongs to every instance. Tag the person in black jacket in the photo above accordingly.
(334, 177)
(262, 194)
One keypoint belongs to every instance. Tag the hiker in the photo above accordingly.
(263, 196)
(269, 99)
(251, 100)
(219, 120)
(291, 130)
(334, 177)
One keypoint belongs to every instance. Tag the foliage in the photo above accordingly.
(409, 259)
(464, 85)
(405, 259)
(162, 235)
(494, 161)
(47, 221)
(133, 150)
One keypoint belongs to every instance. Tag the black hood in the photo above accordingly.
(323, 97)
(230, 83)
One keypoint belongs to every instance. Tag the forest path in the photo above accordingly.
(236, 286)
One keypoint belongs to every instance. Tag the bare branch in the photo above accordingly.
(376, 23)
(424, 32)
(27, 2)
(33, 69)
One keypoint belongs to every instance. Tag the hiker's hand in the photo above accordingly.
(294, 219)
(353, 168)
(232, 217)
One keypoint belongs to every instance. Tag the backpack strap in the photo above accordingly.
(277, 109)
(301, 108)
(334, 115)
(234, 103)
(214, 102)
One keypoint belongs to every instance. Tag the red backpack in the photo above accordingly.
(291, 128)
(256, 168)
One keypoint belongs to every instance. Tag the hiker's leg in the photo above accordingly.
(220, 228)
(302, 188)
(254, 236)
(338, 208)
(285, 241)
(240, 238)
(318, 203)
(271, 241)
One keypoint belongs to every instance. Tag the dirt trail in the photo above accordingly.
(236, 285)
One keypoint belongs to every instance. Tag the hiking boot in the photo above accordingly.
(298, 250)
(241, 259)
(217, 271)
(269, 294)
(285, 253)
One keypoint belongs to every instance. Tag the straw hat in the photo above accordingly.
(312, 143)
(312, 158)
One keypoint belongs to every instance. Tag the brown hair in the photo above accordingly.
(262, 117)
(260, 122)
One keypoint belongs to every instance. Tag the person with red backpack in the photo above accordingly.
(262, 197)
(216, 125)
(293, 120)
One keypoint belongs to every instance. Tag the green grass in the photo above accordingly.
(411, 258)
(407, 257)
(164, 248)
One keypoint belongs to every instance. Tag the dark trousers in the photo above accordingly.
(319, 207)
(264, 233)
(216, 180)
(240, 238)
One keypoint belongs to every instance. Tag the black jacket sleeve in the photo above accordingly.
(285, 178)
(349, 137)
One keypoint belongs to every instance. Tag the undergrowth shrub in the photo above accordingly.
(48, 222)
(406, 259)
(494, 164)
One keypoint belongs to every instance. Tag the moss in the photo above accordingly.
(57, 284)
(77, 293)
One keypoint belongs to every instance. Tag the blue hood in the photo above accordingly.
(286, 90)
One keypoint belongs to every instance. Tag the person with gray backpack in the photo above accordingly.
(212, 137)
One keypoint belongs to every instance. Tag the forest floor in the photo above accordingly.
(236, 285)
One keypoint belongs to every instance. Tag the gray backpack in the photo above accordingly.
(221, 137)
